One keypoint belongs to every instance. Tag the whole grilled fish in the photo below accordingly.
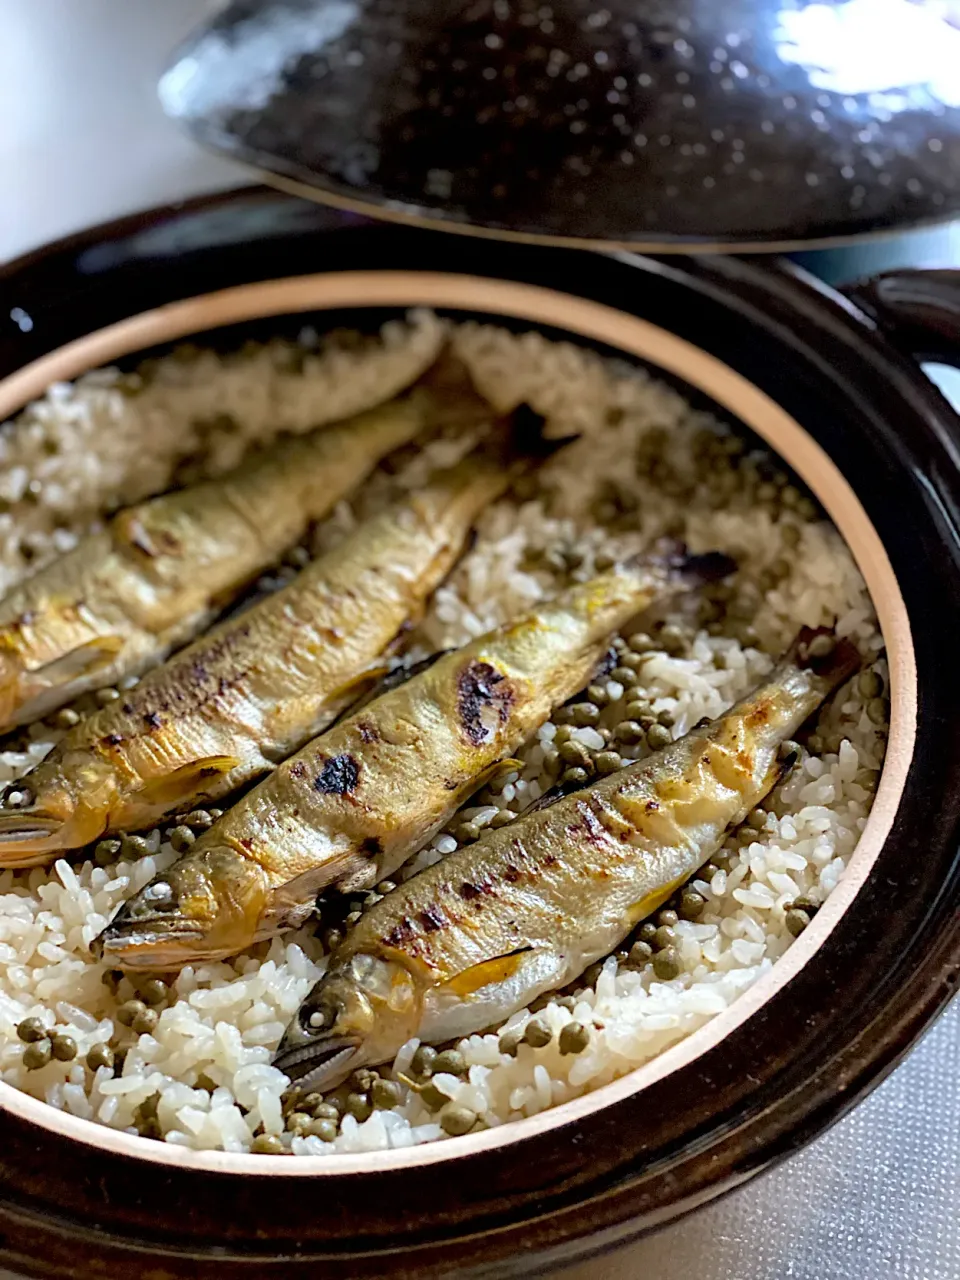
(226, 709)
(356, 802)
(155, 576)
(528, 907)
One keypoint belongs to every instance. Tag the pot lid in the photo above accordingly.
(668, 124)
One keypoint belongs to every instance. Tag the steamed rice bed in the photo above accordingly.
(203, 1078)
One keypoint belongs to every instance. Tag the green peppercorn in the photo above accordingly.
(574, 753)
(456, 1121)
(359, 1106)
(432, 1097)
(467, 831)
(144, 1023)
(66, 718)
(869, 685)
(666, 964)
(351, 919)
(667, 917)
(630, 732)
(537, 1033)
(502, 818)
(668, 719)
(385, 1094)
(325, 1130)
(129, 1010)
(574, 1038)
(133, 847)
(361, 1080)
(591, 975)
(99, 1055)
(624, 675)
(154, 991)
(181, 838)
(575, 777)
(450, 1061)
(563, 734)
(299, 1122)
(647, 933)
(37, 1055)
(878, 711)
(510, 1042)
(331, 938)
(640, 642)
(106, 696)
(31, 1030)
(665, 936)
(692, 904)
(423, 1060)
(607, 762)
(323, 1110)
(639, 955)
(106, 851)
(796, 921)
(64, 1048)
(199, 819)
(597, 693)
(266, 1144)
(385, 887)
(585, 713)
(658, 736)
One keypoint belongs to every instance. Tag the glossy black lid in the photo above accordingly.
(669, 123)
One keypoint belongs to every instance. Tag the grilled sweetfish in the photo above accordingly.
(155, 576)
(226, 709)
(528, 907)
(353, 804)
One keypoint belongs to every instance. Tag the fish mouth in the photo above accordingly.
(147, 944)
(28, 835)
(321, 1065)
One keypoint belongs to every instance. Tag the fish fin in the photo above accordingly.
(393, 677)
(187, 781)
(487, 972)
(494, 771)
(85, 660)
(559, 792)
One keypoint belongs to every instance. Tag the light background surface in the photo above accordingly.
(878, 1197)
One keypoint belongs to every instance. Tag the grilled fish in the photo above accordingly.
(353, 804)
(528, 907)
(156, 575)
(225, 710)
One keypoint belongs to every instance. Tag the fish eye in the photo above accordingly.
(158, 893)
(317, 1020)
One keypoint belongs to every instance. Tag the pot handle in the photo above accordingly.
(918, 310)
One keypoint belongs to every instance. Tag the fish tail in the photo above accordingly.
(691, 570)
(830, 657)
(523, 438)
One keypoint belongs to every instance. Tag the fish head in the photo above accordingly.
(205, 907)
(360, 1013)
(63, 804)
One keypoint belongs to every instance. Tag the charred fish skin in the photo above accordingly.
(225, 710)
(353, 804)
(527, 908)
(156, 575)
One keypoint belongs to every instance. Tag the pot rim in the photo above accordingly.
(584, 319)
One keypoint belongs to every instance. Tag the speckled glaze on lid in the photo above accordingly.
(641, 122)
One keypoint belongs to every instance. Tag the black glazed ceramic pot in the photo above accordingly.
(833, 384)
(682, 125)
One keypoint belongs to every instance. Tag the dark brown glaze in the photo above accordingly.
(639, 121)
(483, 693)
(70, 1209)
(339, 775)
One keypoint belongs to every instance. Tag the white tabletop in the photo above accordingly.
(83, 140)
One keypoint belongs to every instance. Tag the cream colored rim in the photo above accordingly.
(639, 338)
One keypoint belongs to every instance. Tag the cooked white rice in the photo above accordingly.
(206, 1067)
